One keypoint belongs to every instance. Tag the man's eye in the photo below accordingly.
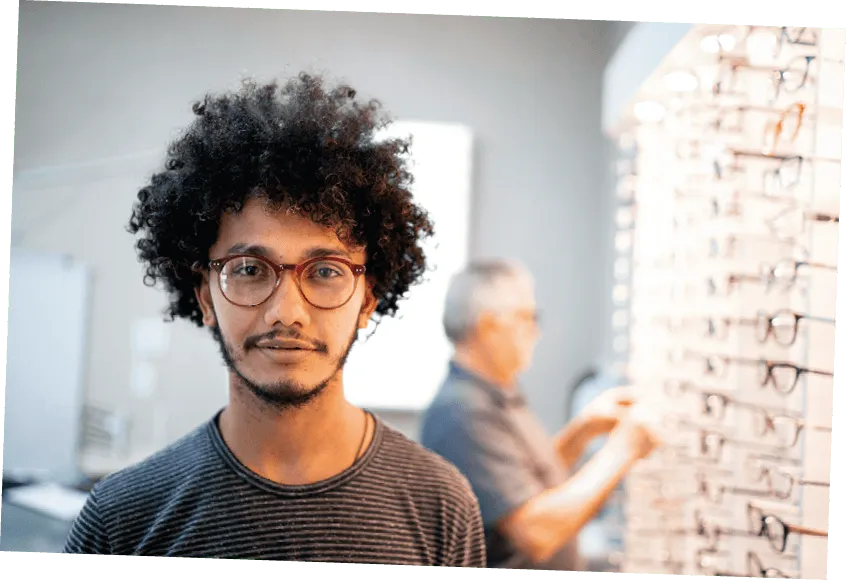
(326, 272)
(246, 271)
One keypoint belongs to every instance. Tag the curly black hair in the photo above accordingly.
(302, 146)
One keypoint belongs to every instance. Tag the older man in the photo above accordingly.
(533, 503)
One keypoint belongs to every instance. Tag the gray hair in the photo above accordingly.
(489, 286)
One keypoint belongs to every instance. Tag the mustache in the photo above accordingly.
(290, 333)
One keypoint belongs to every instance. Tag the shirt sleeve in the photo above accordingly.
(471, 551)
(485, 451)
(88, 533)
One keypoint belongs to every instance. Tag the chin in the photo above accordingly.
(284, 392)
(291, 381)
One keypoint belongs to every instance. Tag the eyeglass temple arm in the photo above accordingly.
(815, 483)
(816, 265)
(822, 217)
(747, 492)
(751, 445)
(816, 318)
(804, 531)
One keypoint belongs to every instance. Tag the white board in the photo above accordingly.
(48, 317)
(403, 363)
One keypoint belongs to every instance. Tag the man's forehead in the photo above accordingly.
(514, 292)
(278, 230)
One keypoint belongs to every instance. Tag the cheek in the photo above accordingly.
(335, 327)
(342, 324)
(236, 324)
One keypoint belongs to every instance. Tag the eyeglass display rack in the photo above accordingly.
(727, 228)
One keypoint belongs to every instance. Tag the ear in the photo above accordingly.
(368, 307)
(204, 299)
(486, 323)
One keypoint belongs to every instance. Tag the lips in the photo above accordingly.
(285, 345)
(284, 353)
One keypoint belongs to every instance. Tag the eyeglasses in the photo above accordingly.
(783, 326)
(783, 276)
(714, 493)
(721, 120)
(712, 444)
(793, 37)
(725, 284)
(793, 77)
(727, 246)
(792, 222)
(755, 569)
(790, 79)
(714, 210)
(666, 483)
(775, 529)
(784, 36)
(780, 483)
(789, 123)
(760, 525)
(784, 177)
(713, 365)
(706, 327)
(785, 272)
(783, 376)
(325, 283)
(785, 428)
(713, 533)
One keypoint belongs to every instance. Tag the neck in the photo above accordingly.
(298, 445)
(475, 359)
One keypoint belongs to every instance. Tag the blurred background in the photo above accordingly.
(96, 381)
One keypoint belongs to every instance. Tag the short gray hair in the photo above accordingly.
(485, 286)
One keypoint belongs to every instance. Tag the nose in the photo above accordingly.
(286, 305)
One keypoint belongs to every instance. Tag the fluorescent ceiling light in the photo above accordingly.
(680, 82)
(649, 111)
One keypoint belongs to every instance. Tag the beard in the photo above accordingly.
(283, 394)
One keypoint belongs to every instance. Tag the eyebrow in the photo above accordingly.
(263, 251)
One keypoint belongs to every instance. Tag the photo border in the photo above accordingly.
(722, 12)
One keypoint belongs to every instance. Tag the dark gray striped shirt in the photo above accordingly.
(399, 504)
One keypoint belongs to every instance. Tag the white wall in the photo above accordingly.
(105, 85)
(49, 392)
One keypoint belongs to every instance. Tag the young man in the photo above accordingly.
(533, 503)
(283, 225)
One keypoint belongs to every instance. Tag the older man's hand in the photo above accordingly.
(609, 407)
(643, 426)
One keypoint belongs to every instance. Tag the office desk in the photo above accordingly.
(23, 530)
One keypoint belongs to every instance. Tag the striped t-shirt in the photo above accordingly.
(398, 504)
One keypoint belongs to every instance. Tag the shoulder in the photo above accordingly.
(424, 470)
(456, 403)
(149, 480)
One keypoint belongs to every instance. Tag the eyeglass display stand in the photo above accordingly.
(722, 442)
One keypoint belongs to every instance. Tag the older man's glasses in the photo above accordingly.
(325, 283)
